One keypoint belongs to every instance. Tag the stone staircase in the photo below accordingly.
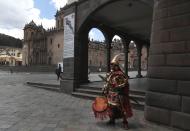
(92, 91)
(51, 87)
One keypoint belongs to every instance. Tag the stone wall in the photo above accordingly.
(97, 57)
(168, 96)
(55, 47)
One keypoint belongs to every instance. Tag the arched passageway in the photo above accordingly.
(131, 20)
(168, 66)
(97, 56)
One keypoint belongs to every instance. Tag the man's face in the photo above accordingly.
(114, 67)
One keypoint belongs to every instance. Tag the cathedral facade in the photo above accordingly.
(42, 47)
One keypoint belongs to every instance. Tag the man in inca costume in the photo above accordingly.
(116, 91)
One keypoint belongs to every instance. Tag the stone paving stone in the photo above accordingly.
(31, 109)
(5, 126)
(39, 127)
(48, 129)
(51, 125)
(59, 129)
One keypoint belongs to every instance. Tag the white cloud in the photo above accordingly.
(96, 35)
(92, 34)
(16, 13)
(58, 3)
(116, 37)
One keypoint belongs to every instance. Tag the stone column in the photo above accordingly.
(168, 95)
(108, 54)
(148, 47)
(139, 54)
(71, 66)
(126, 51)
(40, 59)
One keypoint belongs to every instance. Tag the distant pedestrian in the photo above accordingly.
(58, 71)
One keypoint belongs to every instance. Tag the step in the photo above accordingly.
(139, 106)
(84, 88)
(89, 91)
(94, 96)
(91, 87)
(98, 92)
(137, 97)
(137, 92)
(84, 95)
(46, 87)
(140, 103)
(42, 84)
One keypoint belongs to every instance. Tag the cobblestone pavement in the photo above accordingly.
(24, 108)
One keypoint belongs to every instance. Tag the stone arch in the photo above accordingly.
(117, 47)
(97, 30)
(99, 4)
(96, 50)
(81, 52)
(85, 23)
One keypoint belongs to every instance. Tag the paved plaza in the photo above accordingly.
(24, 108)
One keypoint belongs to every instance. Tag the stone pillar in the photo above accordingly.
(148, 47)
(126, 51)
(83, 40)
(43, 57)
(139, 54)
(168, 95)
(40, 59)
(71, 67)
(108, 54)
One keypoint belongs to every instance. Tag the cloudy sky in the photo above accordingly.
(16, 13)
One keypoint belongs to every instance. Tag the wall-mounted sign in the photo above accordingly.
(69, 34)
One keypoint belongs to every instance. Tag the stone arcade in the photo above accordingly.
(168, 95)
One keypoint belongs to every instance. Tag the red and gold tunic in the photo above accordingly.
(118, 92)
